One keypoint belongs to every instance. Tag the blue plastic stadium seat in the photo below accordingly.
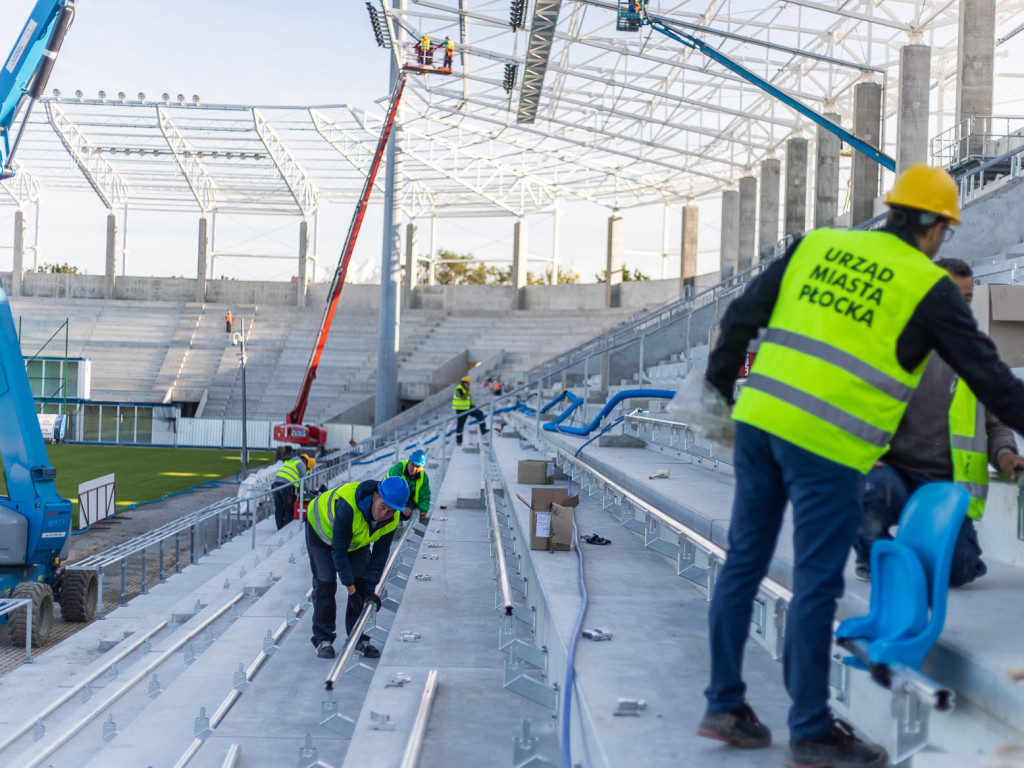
(910, 578)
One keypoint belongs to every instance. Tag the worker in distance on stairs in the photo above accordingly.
(412, 471)
(945, 436)
(851, 318)
(286, 487)
(462, 404)
(348, 537)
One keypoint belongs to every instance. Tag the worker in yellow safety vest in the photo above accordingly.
(348, 537)
(462, 404)
(449, 50)
(413, 472)
(286, 487)
(425, 51)
(945, 436)
(850, 318)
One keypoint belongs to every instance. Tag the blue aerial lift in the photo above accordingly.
(35, 522)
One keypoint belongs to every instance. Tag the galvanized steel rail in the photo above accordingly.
(499, 549)
(419, 727)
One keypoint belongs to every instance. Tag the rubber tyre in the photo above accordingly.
(77, 596)
(42, 614)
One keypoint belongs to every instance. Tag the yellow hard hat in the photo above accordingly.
(310, 461)
(465, 380)
(926, 188)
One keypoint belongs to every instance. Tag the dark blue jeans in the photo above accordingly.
(325, 586)
(886, 491)
(826, 501)
(460, 422)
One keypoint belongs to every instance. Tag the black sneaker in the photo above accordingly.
(741, 728)
(862, 571)
(838, 747)
(325, 650)
(369, 651)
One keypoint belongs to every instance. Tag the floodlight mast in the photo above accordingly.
(293, 430)
(27, 70)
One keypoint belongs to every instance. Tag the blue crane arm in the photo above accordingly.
(27, 69)
(712, 53)
(31, 483)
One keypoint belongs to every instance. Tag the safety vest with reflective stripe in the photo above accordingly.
(289, 471)
(425, 43)
(415, 485)
(461, 401)
(826, 377)
(322, 518)
(969, 444)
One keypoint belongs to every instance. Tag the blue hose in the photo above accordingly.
(555, 426)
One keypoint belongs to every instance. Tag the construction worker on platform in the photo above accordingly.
(425, 51)
(462, 404)
(348, 536)
(413, 472)
(286, 487)
(227, 321)
(945, 436)
(851, 318)
(449, 50)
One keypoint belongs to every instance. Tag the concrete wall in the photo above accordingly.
(989, 227)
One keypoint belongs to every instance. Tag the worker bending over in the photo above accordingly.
(348, 537)
(945, 436)
(462, 404)
(286, 487)
(850, 320)
(415, 475)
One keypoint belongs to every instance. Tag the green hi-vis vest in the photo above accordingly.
(415, 485)
(826, 377)
(289, 471)
(969, 443)
(461, 401)
(322, 518)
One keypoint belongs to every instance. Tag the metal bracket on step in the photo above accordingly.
(524, 750)
(518, 681)
(839, 679)
(910, 716)
(332, 719)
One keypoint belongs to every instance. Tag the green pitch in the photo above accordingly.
(141, 473)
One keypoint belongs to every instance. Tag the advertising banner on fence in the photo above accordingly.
(95, 500)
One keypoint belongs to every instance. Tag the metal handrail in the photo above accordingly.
(419, 725)
(138, 677)
(70, 693)
(364, 616)
(9, 604)
(492, 513)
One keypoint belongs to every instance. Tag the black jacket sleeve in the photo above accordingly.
(944, 322)
(378, 559)
(747, 314)
(340, 540)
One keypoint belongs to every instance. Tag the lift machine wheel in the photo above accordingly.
(77, 596)
(42, 614)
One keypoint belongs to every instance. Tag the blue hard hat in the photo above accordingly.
(394, 491)
(418, 457)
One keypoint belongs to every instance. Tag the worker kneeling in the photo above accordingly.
(348, 536)
(286, 487)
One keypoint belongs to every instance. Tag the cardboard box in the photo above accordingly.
(536, 472)
(551, 514)
(999, 310)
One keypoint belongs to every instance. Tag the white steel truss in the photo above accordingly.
(202, 184)
(302, 188)
(105, 180)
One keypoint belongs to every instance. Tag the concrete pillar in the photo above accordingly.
(201, 263)
(519, 236)
(730, 242)
(867, 121)
(768, 217)
(613, 262)
(18, 267)
(110, 272)
(411, 264)
(976, 50)
(688, 250)
(555, 234)
(748, 223)
(301, 287)
(826, 175)
(795, 222)
(432, 266)
(912, 106)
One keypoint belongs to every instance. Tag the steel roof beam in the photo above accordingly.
(301, 187)
(203, 187)
(108, 184)
(538, 51)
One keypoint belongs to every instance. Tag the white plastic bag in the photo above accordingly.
(702, 408)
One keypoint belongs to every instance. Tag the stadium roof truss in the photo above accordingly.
(619, 119)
